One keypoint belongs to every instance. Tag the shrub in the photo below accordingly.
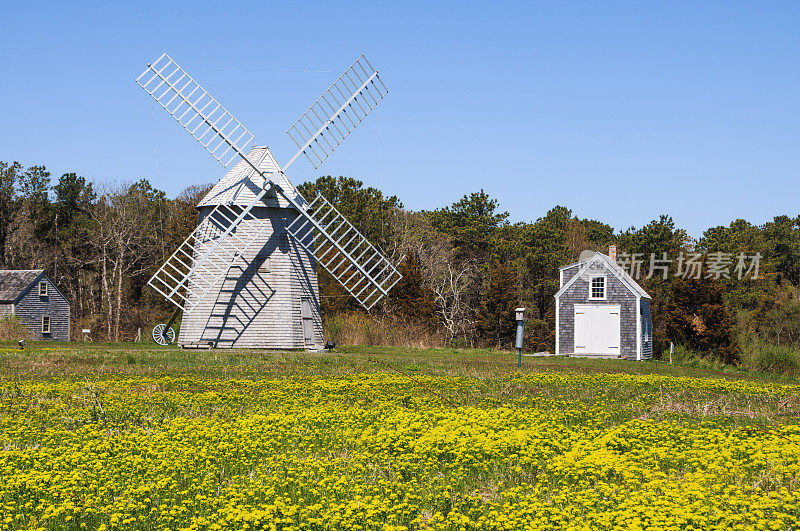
(357, 328)
(11, 327)
(759, 355)
(686, 356)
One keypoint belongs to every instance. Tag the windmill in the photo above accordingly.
(246, 276)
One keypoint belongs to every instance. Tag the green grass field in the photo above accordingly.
(135, 436)
(43, 359)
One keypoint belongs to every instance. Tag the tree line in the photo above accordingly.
(465, 267)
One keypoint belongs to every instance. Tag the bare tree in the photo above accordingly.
(450, 279)
(127, 218)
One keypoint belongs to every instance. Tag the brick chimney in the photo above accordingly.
(612, 252)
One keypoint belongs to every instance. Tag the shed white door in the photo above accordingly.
(597, 329)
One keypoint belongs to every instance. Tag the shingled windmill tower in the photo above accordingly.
(246, 276)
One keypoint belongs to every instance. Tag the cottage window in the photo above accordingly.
(598, 288)
(265, 266)
(43, 289)
(45, 324)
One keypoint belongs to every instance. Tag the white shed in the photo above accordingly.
(602, 312)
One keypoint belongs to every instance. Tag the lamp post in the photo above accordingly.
(520, 334)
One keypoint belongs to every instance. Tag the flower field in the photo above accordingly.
(384, 450)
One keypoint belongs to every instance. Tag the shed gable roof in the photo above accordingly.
(612, 266)
(239, 186)
(14, 282)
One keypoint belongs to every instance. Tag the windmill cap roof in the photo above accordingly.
(242, 184)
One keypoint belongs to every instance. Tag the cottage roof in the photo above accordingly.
(14, 282)
(239, 186)
(612, 266)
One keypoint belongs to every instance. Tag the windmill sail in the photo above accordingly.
(217, 130)
(195, 266)
(337, 112)
(344, 252)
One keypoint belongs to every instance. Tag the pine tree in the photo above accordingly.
(496, 321)
(696, 316)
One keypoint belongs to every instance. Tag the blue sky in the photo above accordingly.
(620, 111)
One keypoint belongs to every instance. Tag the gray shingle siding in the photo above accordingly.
(6, 309)
(616, 293)
(568, 273)
(31, 307)
(255, 308)
(647, 331)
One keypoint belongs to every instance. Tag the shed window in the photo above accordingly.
(43, 289)
(598, 288)
(45, 324)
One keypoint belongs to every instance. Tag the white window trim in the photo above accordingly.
(43, 284)
(49, 324)
(605, 288)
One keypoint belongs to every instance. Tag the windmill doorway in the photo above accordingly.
(308, 322)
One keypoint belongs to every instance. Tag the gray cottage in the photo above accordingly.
(39, 304)
(602, 312)
(269, 297)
